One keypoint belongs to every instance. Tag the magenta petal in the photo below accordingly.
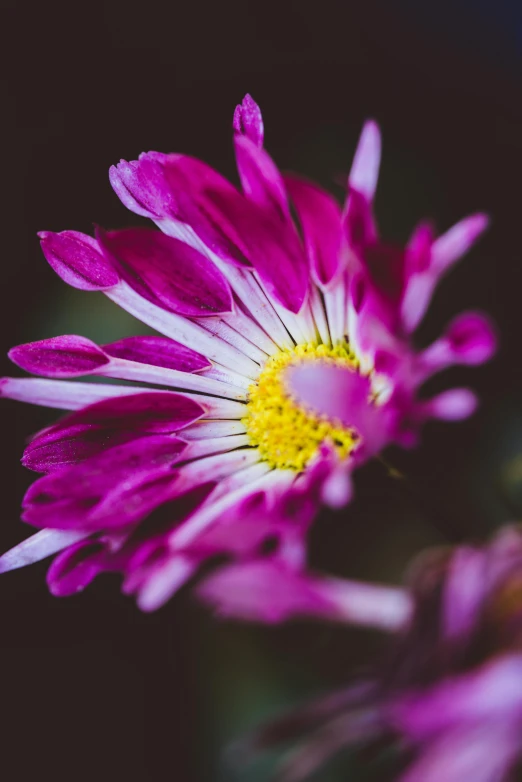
(248, 120)
(169, 272)
(418, 251)
(154, 412)
(265, 591)
(273, 248)
(261, 180)
(453, 405)
(342, 395)
(158, 352)
(67, 356)
(190, 182)
(56, 448)
(321, 221)
(471, 338)
(359, 224)
(75, 568)
(141, 187)
(77, 259)
(457, 241)
(365, 167)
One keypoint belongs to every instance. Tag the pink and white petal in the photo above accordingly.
(367, 159)
(57, 448)
(60, 394)
(248, 120)
(158, 352)
(452, 245)
(182, 330)
(141, 187)
(75, 568)
(321, 220)
(470, 339)
(66, 356)
(78, 260)
(38, 547)
(271, 592)
(260, 178)
(342, 395)
(453, 405)
(168, 272)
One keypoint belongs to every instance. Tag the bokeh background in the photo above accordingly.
(91, 688)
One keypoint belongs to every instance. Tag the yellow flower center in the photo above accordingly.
(286, 434)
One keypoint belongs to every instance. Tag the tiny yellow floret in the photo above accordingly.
(287, 434)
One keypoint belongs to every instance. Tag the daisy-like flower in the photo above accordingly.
(246, 300)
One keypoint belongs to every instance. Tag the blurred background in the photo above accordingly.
(91, 688)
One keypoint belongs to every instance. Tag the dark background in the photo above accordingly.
(91, 688)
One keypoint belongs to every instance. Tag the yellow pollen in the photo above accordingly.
(286, 434)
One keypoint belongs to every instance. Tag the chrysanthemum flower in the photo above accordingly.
(243, 297)
(448, 699)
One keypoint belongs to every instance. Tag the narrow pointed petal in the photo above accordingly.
(469, 339)
(321, 221)
(60, 394)
(452, 245)
(158, 352)
(260, 178)
(169, 272)
(67, 356)
(365, 167)
(248, 120)
(150, 411)
(77, 259)
(75, 568)
(453, 405)
(141, 187)
(38, 547)
(58, 447)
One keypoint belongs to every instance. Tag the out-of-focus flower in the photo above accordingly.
(246, 302)
(449, 696)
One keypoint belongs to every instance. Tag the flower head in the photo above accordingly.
(262, 323)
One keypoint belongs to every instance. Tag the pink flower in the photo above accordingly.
(449, 696)
(253, 315)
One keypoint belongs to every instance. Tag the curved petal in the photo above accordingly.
(77, 259)
(248, 120)
(321, 220)
(67, 356)
(169, 272)
(158, 352)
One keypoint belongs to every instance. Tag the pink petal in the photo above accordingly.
(457, 241)
(158, 352)
(248, 120)
(263, 591)
(365, 167)
(154, 412)
(169, 272)
(321, 221)
(57, 448)
(453, 405)
(341, 395)
(75, 568)
(77, 259)
(141, 187)
(38, 547)
(67, 356)
(261, 180)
